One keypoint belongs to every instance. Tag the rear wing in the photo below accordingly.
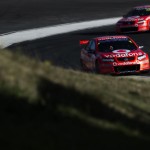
(83, 42)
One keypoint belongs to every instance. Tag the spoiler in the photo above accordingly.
(83, 42)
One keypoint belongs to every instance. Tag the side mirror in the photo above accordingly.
(83, 43)
(140, 47)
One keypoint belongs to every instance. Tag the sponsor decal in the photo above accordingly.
(127, 71)
(123, 55)
(121, 51)
(112, 38)
(124, 63)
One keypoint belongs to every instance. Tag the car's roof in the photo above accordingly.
(102, 38)
(144, 6)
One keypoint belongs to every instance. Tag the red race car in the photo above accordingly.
(113, 55)
(137, 19)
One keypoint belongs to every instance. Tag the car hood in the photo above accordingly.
(134, 18)
(121, 53)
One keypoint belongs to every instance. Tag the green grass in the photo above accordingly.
(47, 107)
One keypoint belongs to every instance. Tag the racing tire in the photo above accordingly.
(145, 72)
(81, 65)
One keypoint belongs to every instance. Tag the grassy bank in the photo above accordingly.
(44, 107)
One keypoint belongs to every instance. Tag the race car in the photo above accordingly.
(117, 54)
(136, 20)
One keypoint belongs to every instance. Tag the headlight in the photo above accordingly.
(108, 60)
(142, 57)
(141, 21)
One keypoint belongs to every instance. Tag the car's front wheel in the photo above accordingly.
(145, 72)
(97, 67)
(82, 65)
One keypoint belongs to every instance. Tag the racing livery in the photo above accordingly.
(113, 55)
(136, 20)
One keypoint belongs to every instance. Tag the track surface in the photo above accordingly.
(63, 50)
(23, 14)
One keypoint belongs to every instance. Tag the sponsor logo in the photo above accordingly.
(123, 55)
(112, 38)
(124, 63)
(121, 51)
(128, 71)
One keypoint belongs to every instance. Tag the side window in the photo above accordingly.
(91, 47)
(88, 46)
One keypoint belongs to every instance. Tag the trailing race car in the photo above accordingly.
(113, 55)
(137, 19)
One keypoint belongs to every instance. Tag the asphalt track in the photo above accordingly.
(63, 50)
(24, 14)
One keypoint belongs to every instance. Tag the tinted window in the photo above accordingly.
(138, 12)
(91, 46)
(88, 46)
(114, 44)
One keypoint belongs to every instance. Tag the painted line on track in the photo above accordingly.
(8, 39)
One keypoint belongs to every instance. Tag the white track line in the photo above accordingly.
(8, 39)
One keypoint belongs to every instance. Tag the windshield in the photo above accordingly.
(138, 12)
(115, 44)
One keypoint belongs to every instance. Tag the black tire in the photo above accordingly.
(81, 65)
(145, 72)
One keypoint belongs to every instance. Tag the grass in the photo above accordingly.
(47, 107)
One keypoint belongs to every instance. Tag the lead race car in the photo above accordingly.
(136, 20)
(113, 55)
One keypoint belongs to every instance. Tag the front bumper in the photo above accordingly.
(125, 69)
(133, 28)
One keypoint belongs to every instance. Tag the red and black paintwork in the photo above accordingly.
(115, 61)
(136, 20)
